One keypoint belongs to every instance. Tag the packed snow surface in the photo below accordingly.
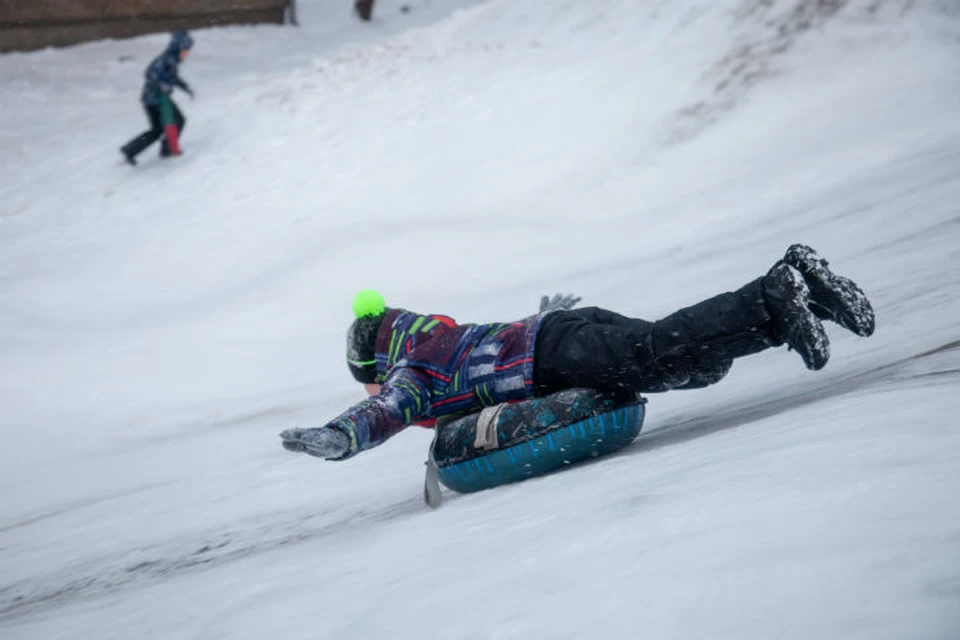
(159, 325)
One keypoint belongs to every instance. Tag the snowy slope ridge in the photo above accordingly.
(160, 325)
(278, 529)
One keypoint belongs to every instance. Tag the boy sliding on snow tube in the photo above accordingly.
(161, 77)
(417, 367)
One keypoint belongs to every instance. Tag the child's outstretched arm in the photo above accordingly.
(403, 399)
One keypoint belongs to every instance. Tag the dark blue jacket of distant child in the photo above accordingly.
(161, 75)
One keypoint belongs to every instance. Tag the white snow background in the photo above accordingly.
(159, 325)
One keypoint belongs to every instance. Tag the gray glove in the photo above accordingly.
(558, 302)
(322, 442)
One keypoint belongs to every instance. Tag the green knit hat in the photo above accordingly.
(368, 303)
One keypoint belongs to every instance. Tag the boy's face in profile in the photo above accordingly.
(183, 54)
(371, 389)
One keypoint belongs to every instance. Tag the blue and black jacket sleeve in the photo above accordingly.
(404, 399)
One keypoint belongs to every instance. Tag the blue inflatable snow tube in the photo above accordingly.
(522, 440)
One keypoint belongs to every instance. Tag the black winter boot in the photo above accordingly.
(832, 297)
(788, 297)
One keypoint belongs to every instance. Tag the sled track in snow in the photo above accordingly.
(142, 567)
(940, 362)
(133, 568)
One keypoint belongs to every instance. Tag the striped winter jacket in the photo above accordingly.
(429, 366)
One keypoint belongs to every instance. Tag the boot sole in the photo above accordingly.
(832, 296)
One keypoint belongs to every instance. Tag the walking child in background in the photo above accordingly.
(165, 118)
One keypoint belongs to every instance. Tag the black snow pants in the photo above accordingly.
(689, 349)
(147, 138)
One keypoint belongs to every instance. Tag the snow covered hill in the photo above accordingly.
(160, 325)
